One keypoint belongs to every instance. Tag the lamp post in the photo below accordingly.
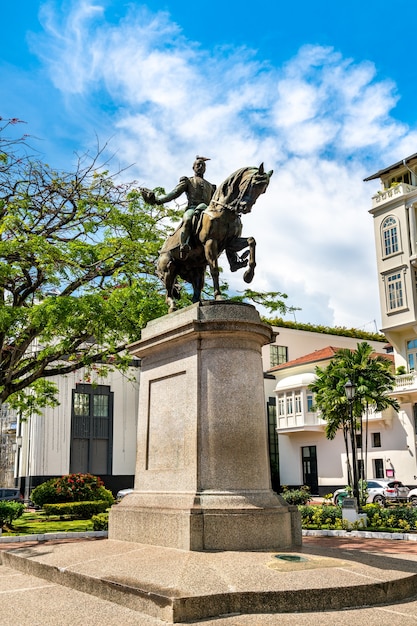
(350, 391)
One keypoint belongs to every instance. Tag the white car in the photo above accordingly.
(412, 497)
(380, 492)
(122, 493)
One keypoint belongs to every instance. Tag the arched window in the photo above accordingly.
(390, 238)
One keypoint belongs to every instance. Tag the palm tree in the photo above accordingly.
(374, 380)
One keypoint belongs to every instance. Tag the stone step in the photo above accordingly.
(179, 586)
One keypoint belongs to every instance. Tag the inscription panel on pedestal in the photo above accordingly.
(167, 423)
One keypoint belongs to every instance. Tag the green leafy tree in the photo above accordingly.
(374, 380)
(77, 271)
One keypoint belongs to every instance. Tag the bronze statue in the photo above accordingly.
(199, 192)
(215, 229)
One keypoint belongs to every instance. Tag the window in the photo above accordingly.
(378, 468)
(310, 402)
(402, 178)
(412, 355)
(278, 355)
(297, 399)
(359, 441)
(394, 293)
(92, 429)
(376, 440)
(389, 236)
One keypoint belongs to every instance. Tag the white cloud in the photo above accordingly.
(319, 121)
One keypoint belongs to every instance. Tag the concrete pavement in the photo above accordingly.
(336, 571)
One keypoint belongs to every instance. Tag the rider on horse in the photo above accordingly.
(199, 192)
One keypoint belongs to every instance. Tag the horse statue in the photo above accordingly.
(216, 228)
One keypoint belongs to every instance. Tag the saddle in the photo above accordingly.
(173, 241)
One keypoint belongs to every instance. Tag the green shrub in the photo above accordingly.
(299, 496)
(44, 493)
(71, 488)
(100, 521)
(10, 511)
(77, 510)
(105, 494)
(401, 518)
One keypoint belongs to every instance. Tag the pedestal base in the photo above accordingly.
(251, 521)
(202, 478)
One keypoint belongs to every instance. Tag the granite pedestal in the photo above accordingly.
(202, 477)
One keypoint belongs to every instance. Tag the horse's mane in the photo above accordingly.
(228, 193)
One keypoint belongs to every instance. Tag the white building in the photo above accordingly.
(92, 430)
(306, 456)
(394, 210)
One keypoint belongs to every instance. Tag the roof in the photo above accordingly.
(324, 354)
(318, 355)
(395, 166)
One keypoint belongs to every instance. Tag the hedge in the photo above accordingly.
(100, 521)
(77, 510)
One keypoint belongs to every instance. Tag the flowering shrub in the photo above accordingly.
(401, 518)
(319, 516)
(71, 488)
(78, 487)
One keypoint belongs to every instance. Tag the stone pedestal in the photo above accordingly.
(202, 475)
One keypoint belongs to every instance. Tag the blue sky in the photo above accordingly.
(322, 92)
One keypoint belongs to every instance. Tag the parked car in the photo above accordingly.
(122, 493)
(412, 497)
(10, 494)
(379, 492)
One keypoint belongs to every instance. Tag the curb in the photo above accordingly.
(362, 534)
(53, 536)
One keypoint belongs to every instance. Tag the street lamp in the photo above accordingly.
(350, 391)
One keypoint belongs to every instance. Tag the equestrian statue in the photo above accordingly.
(211, 225)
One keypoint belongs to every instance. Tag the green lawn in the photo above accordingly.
(37, 522)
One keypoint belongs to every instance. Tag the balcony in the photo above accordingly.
(386, 195)
(297, 422)
(405, 384)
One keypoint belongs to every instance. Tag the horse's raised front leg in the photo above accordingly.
(211, 252)
(235, 262)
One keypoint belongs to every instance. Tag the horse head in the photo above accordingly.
(240, 191)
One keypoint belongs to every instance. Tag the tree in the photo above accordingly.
(374, 380)
(77, 279)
